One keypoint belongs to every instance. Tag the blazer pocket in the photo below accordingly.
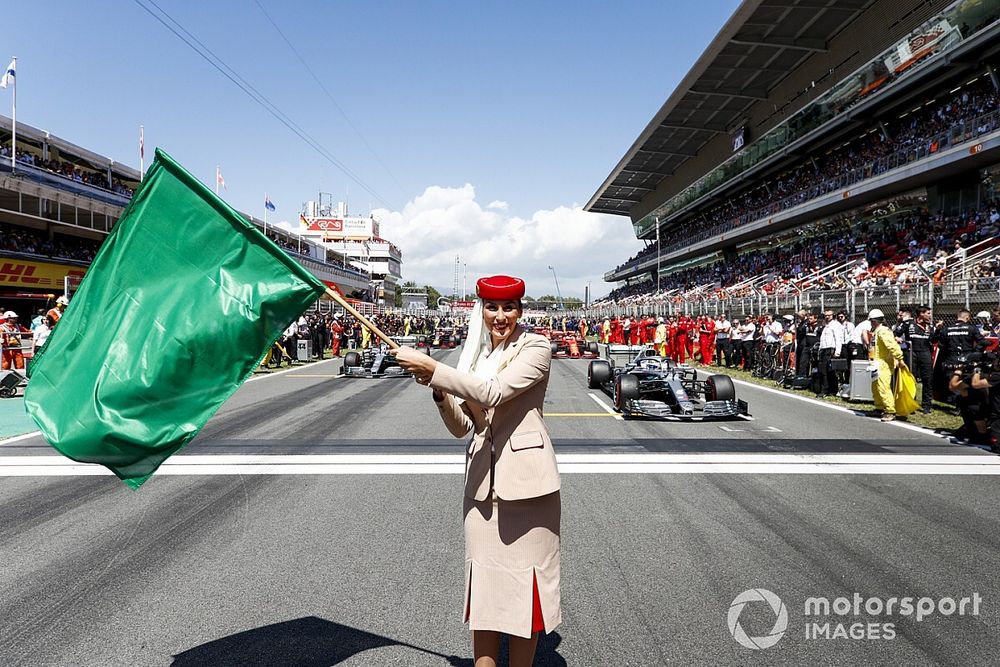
(527, 440)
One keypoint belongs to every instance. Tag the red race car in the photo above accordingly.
(569, 345)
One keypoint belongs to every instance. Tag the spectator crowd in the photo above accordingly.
(27, 241)
(954, 119)
(899, 250)
(68, 170)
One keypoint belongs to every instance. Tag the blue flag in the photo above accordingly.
(267, 203)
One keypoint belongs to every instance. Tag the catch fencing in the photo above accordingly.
(945, 299)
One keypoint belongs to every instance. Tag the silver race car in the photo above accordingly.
(644, 384)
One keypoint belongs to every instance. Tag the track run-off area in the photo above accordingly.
(316, 520)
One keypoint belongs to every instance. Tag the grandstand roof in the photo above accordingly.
(29, 133)
(762, 43)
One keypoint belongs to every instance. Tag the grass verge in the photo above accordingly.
(943, 417)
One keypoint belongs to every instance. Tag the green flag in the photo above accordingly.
(176, 311)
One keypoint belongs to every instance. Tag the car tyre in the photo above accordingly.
(720, 388)
(352, 359)
(592, 347)
(598, 372)
(626, 389)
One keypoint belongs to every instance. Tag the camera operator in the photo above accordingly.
(970, 382)
(919, 334)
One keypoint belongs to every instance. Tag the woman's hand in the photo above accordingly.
(418, 363)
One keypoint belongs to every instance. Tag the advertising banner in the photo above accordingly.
(337, 228)
(24, 273)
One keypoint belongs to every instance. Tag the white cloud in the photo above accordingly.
(287, 226)
(498, 205)
(444, 222)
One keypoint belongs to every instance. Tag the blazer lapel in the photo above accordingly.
(512, 347)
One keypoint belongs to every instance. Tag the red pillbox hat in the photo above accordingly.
(500, 288)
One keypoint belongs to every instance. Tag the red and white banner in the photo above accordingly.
(340, 228)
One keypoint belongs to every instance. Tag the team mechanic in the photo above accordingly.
(512, 501)
(961, 338)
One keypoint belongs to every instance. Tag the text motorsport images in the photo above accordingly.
(822, 615)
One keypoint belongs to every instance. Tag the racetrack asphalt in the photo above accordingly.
(365, 569)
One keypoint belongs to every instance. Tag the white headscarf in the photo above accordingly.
(477, 342)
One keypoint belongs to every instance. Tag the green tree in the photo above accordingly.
(432, 297)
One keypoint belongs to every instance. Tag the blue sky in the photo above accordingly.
(524, 105)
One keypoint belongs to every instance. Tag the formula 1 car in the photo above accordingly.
(569, 345)
(447, 338)
(376, 362)
(648, 385)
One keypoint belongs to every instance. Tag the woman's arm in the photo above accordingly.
(453, 415)
(528, 368)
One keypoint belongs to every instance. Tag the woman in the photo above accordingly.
(512, 502)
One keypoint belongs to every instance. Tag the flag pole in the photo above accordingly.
(13, 121)
(265, 214)
(142, 154)
(217, 172)
(361, 318)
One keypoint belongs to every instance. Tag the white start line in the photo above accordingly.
(449, 464)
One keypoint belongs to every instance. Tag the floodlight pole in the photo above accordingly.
(558, 293)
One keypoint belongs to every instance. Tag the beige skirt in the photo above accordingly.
(510, 544)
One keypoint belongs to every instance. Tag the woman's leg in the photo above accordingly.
(522, 651)
(486, 648)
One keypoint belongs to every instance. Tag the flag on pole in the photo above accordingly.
(142, 145)
(148, 350)
(9, 79)
(267, 203)
(9, 74)
(219, 180)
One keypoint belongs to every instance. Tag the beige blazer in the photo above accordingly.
(510, 451)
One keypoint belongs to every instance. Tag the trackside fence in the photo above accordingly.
(945, 300)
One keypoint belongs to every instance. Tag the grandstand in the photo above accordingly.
(819, 146)
(59, 203)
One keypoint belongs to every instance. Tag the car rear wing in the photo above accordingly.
(622, 355)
